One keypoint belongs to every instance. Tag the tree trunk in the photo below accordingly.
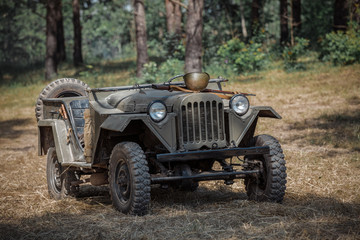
(355, 11)
(296, 16)
(77, 55)
(51, 41)
(341, 14)
(173, 18)
(60, 49)
(194, 28)
(255, 16)
(243, 24)
(141, 39)
(284, 30)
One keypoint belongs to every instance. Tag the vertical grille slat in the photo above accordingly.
(215, 121)
(221, 121)
(184, 123)
(202, 123)
(196, 122)
(208, 122)
(190, 125)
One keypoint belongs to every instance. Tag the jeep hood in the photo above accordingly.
(139, 101)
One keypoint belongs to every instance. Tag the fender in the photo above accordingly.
(66, 153)
(162, 130)
(241, 125)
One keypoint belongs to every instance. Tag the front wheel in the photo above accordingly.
(270, 185)
(129, 179)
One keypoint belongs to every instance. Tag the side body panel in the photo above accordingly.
(66, 150)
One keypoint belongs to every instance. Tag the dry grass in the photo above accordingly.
(320, 136)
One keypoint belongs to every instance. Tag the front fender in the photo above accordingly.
(163, 130)
(239, 126)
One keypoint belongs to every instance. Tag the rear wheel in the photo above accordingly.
(270, 185)
(64, 87)
(129, 179)
(59, 179)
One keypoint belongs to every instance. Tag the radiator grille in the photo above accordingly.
(202, 123)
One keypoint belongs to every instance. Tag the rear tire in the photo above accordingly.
(64, 87)
(59, 179)
(271, 184)
(129, 179)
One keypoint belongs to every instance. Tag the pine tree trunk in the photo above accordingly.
(61, 54)
(243, 24)
(51, 40)
(194, 28)
(173, 18)
(296, 16)
(284, 29)
(255, 16)
(355, 11)
(141, 38)
(341, 15)
(77, 54)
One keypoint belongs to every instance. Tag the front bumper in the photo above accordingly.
(214, 154)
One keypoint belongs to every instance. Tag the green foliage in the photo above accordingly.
(317, 19)
(292, 53)
(342, 48)
(244, 57)
(174, 46)
(106, 31)
(22, 38)
(216, 69)
(155, 21)
(221, 23)
(152, 73)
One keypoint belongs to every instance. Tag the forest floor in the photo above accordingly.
(320, 135)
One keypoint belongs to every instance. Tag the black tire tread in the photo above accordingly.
(47, 92)
(141, 178)
(276, 190)
(67, 177)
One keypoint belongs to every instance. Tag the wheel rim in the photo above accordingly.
(56, 175)
(123, 182)
(257, 185)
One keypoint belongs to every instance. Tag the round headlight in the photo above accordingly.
(157, 111)
(240, 104)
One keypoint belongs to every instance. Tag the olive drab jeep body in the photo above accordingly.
(170, 135)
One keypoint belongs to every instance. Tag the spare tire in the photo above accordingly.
(64, 87)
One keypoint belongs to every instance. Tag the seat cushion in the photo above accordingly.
(77, 109)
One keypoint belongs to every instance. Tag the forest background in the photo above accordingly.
(234, 37)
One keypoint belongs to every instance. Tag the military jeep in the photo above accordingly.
(165, 135)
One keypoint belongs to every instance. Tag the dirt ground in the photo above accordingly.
(322, 200)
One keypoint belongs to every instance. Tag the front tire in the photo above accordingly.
(270, 185)
(129, 179)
